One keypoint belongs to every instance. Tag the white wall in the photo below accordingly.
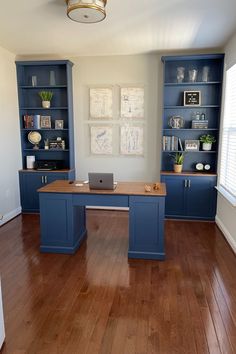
(226, 213)
(115, 71)
(10, 160)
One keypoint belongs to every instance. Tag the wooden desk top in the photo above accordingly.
(123, 188)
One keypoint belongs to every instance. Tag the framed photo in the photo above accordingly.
(192, 98)
(59, 124)
(45, 122)
(191, 145)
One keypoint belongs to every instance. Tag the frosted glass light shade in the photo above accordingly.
(86, 11)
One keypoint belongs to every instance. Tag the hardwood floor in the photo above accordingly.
(98, 301)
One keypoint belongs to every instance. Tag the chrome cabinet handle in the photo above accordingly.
(42, 180)
(185, 183)
(46, 179)
(189, 183)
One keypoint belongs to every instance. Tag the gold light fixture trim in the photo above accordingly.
(86, 11)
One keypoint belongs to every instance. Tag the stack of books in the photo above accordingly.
(171, 143)
(199, 124)
(36, 121)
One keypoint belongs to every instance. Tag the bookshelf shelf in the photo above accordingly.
(191, 195)
(33, 117)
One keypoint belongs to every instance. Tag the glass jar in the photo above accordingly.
(192, 75)
(180, 74)
(205, 73)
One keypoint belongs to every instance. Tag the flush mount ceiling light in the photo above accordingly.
(86, 11)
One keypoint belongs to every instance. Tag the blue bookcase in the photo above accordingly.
(33, 77)
(191, 187)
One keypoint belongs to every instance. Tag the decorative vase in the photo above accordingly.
(193, 75)
(180, 74)
(46, 104)
(178, 168)
(206, 146)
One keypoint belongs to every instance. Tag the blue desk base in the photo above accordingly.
(63, 222)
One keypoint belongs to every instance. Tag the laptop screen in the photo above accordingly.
(101, 180)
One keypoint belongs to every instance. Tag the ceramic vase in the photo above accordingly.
(206, 146)
(178, 168)
(46, 104)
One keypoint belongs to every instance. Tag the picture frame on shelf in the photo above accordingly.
(59, 124)
(191, 145)
(192, 98)
(45, 122)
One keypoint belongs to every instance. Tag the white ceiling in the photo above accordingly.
(40, 27)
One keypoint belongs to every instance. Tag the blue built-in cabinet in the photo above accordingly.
(191, 194)
(190, 197)
(33, 77)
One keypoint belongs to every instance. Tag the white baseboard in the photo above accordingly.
(9, 216)
(226, 233)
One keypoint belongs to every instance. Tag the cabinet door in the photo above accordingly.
(201, 197)
(146, 227)
(51, 177)
(29, 183)
(175, 198)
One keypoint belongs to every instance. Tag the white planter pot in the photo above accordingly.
(46, 104)
(206, 146)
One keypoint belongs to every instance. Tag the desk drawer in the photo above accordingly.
(101, 200)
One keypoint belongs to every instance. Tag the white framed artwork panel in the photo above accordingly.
(100, 102)
(101, 140)
(132, 102)
(132, 140)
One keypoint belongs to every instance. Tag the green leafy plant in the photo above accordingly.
(178, 158)
(45, 95)
(208, 139)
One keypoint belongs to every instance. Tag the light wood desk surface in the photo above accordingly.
(123, 188)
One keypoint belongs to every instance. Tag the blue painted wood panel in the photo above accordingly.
(201, 197)
(30, 182)
(175, 198)
(190, 197)
(62, 225)
(210, 105)
(63, 222)
(101, 200)
(146, 227)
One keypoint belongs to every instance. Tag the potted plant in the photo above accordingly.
(46, 97)
(178, 158)
(207, 141)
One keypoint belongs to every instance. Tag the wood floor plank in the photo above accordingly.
(99, 302)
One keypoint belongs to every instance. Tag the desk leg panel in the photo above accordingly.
(146, 227)
(62, 226)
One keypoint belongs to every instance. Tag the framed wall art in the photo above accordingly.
(132, 102)
(100, 102)
(131, 140)
(101, 140)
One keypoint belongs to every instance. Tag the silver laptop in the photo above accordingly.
(101, 181)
